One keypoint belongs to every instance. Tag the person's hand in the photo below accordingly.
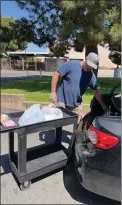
(53, 97)
(105, 109)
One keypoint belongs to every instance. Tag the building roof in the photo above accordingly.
(27, 53)
(36, 54)
(3, 55)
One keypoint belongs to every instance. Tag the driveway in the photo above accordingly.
(59, 188)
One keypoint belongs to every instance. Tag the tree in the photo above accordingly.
(112, 34)
(62, 24)
(9, 40)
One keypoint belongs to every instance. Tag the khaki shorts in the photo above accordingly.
(77, 110)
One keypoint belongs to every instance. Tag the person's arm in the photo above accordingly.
(96, 92)
(98, 96)
(61, 71)
(54, 82)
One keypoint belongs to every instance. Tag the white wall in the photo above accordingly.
(105, 62)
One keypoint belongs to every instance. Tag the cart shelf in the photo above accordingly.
(29, 163)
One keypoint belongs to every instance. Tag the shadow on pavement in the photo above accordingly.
(78, 193)
(46, 136)
(71, 183)
(4, 165)
(49, 136)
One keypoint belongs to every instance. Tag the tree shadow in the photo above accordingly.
(80, 194)
(32, 85)
(43, 84)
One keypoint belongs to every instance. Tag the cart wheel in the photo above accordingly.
(25, 185)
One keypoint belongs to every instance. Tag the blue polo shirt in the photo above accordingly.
(74, 83)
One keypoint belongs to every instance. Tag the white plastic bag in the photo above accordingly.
(51, 113)
(32, 115)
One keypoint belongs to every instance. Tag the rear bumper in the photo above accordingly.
(97, 181)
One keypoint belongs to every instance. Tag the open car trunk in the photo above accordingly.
(111, 121)
(108, 120)
(98, 163)
(113, 103)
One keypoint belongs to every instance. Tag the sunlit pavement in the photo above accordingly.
(59, 188)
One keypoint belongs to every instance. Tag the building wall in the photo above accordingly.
(105, 62)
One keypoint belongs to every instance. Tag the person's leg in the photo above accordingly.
(78, 110)
(78, 129)
(61, 104)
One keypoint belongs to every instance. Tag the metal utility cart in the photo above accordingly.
(27, 164)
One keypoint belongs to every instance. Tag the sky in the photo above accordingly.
(11, 9)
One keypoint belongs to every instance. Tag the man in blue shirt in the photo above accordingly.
(76, 76)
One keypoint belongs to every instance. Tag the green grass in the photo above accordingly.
(38, 89)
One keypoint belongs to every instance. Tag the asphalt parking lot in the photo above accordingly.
(59, 188)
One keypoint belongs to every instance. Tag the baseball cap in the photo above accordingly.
(92, 60)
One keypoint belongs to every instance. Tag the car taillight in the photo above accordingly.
(100, 139)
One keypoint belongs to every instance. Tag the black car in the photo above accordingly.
(98, 148)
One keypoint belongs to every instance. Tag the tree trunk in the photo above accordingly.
(89, 49)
